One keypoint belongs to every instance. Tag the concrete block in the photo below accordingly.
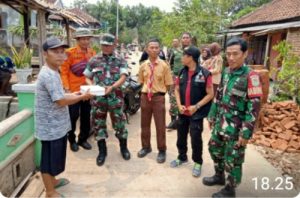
(14, 107)
(6, 181)
(4, 101)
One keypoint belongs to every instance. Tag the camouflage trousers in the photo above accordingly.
(227, 156)
(173, 111)
(101, 105)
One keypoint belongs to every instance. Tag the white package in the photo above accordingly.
(94, 89)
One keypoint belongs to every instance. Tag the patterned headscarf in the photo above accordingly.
(215, 48)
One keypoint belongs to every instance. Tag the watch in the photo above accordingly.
(198, 106)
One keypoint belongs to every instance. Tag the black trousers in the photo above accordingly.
(83, 109)
(185, 125)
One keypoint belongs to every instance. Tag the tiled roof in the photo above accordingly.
(275, 11)
(84, 15)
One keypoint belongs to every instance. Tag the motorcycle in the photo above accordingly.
(132, 95)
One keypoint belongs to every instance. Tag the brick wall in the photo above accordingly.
(293, 37)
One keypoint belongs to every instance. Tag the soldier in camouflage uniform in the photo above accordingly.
(232, 118)
(176, 66)
(108, 70)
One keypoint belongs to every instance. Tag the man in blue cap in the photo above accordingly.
(52, 120)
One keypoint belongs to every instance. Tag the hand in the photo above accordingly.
(77, 93)
(242, 142)
(108, 89)
(181, 109)
(192, 109)
(87, 95)
(211, 125)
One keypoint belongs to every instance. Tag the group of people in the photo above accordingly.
(231, 112)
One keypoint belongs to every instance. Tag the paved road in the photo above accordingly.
(146, 178)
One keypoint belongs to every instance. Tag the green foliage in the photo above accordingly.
(243, 12)
(18, 30)
(287, 84)
(127, 35)
(203, 18)
(21, 58)
(81, 4)
(96, 47)
(57, 31)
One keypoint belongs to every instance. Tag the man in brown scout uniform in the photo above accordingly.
(156, 77)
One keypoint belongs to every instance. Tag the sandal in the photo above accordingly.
(177, 162)
(61, 182)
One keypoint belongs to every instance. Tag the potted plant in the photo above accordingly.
(22, 61)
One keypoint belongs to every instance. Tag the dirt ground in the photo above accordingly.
(288, 164)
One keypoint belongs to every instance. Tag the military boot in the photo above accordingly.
(173, 124)
(102, 152)
(124, 150)
(227, 191)
(217, 179)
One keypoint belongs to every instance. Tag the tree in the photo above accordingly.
(287, 85)
(81, 4)
(203, 18)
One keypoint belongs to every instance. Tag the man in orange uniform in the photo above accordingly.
(72, 78)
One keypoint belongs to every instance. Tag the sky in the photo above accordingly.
(164, 5)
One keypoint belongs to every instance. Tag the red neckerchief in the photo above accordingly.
(150, 81)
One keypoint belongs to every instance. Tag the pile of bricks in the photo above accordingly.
(279, 127)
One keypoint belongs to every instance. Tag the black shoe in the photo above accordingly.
(85, 145)
(124, 150)
(100, 159)
(217, 179)
(161, 157)
(74, 147)
(102, 152)
(143, 152)
(227, 191)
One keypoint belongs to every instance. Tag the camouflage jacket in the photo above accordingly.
(176, 61)
(237, 103)
(106, 70)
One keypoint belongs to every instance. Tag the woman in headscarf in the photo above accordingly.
(206, 58)
(216, 65)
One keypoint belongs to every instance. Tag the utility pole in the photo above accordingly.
(117, 22)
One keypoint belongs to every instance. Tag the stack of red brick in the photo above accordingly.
(279, 127)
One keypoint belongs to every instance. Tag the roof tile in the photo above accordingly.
(275, 11)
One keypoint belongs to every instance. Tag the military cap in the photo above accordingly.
(107, 39)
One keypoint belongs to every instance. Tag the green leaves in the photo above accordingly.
(21, 58)
(288, 79)
(203, 18)
(18, 30)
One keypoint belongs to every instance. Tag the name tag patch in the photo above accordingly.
(254, 86)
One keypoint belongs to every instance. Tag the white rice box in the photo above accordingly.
(94, 89)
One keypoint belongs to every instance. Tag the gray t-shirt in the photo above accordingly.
(51, 121)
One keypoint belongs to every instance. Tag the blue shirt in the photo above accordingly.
(51, 120)
(6, 64)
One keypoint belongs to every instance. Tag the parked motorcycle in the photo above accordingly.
(132, 96)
